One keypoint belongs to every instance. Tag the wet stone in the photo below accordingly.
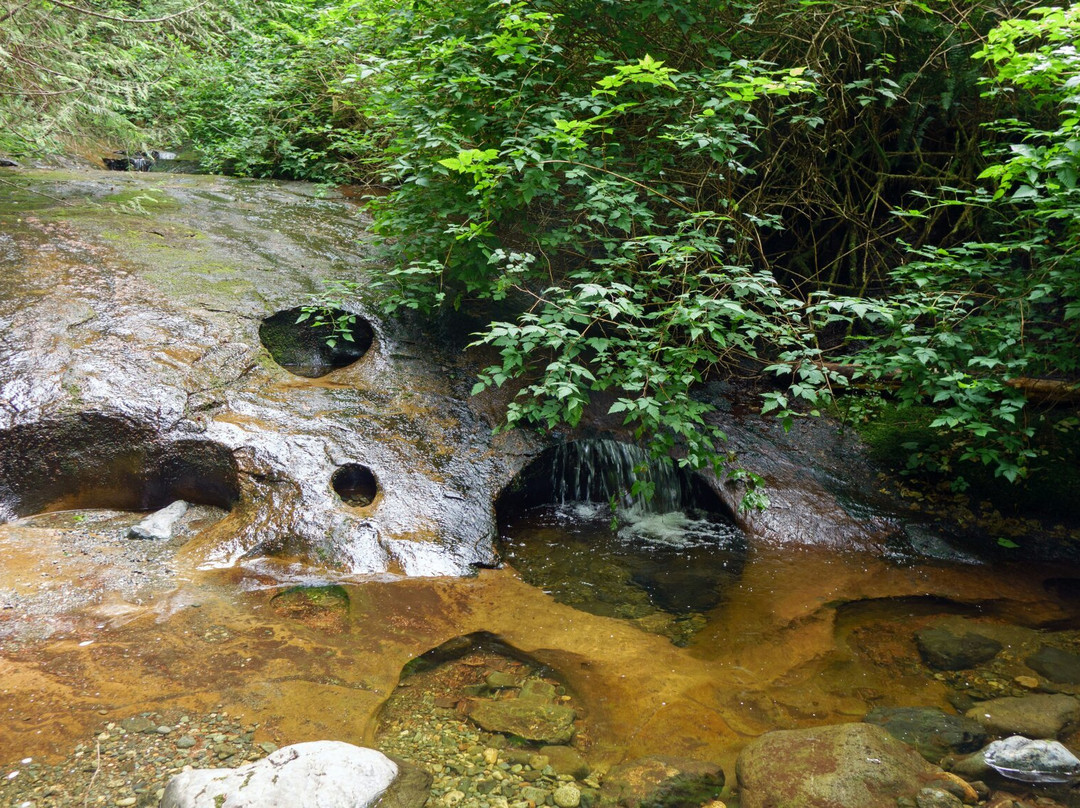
(532, 715)
(662, 782)
(1037, 761)
(566, 760)
(932, 732)
(185, 742)
(1056, 665)
(535, 795)
(942, 650)
(1038, 716)
(567, 796)
(936, 798)
(842, 765)
(498, 680)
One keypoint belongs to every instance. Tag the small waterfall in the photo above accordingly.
(605, 470)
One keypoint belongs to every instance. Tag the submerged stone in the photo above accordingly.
(944, 651)
(937, 798)
(325, 607)
(532, 715)
(662, 782)
(932, 732)
(566, 760)
(1039, 716)
(1056, 665)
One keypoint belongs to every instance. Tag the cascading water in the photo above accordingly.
(608, 471)
(605, 527)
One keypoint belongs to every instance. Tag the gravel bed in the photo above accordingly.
(129, 762)
(472, 768)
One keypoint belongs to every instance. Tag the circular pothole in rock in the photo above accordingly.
(321, 607)
(489, 722)
(572, 524)
(312, 345)
(355, 484)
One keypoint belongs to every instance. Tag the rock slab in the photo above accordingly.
(1039, 716)
(840, 766)
(160, 525)
(320, 774)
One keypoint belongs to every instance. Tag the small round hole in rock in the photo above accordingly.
(355, 484)
(318, 343)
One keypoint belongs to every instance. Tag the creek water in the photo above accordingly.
(349, 508)
(692, 640)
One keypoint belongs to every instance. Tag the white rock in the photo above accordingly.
(160, 524)
(1039, 761)
(320, 774)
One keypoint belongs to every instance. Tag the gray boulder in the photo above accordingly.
(321, 774)
(1040, 761)
(1038, 716)
(933, 732)
(832, 767)
(945, 651)
(160, 525)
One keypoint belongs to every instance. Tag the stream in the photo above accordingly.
(362, 555)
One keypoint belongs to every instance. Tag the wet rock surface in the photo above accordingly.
(161, 524)
(1056, 664)
(65, 568)
(131, 306)
(133, 375)
(831, 767)
(533, 714)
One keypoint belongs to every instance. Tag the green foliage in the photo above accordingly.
(69, 75)
(971, 325)
(656, 192)
(269, 103)
(323, 312)
(576, 192)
